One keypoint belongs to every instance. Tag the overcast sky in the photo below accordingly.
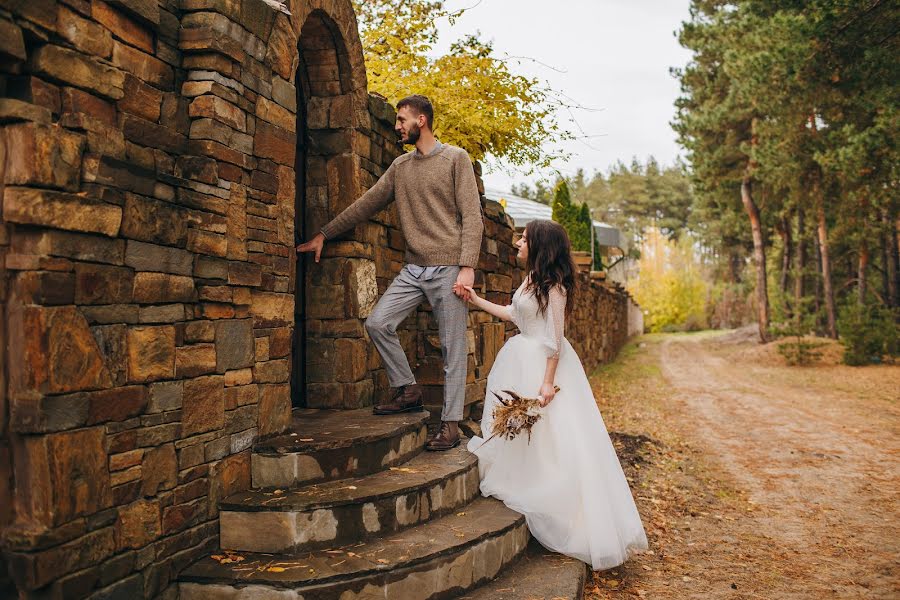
(615, 55)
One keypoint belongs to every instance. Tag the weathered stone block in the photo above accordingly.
(125, 460)
(196, 359)
(280, 342)
(12, 44)
(151, 353)
(36, 570)
(60, 210)
(117, 404)
(47, 288)
(143, 66)
(209, 129)
(78, 473)
(272, 371)
(56, 352)
(219, 109)
(78, 101)
(12, 111)
(165, 396)
(153, 221)
(159, 470)
(274, 113)
(362, 287)
(153, 135)
(138, 524)
(240, 395)
(198, 168)
(203, 407)
(350, 363)
(48, 413)
(244, 273)
(284, 94)
(150, 257)
(182, 516)
(102, 284)
(238, 377)
(199, 331)
(274, 143)
(79, 70)
(229, 476)
(46, 155)
(326, 302)
(122, 25)
(34, 91)
(165, 313)
(76, 246)
(234, 344)
(140, 99)
(207, 242)
(86, 35)
(150, 288)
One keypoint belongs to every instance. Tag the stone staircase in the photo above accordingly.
(347, 506)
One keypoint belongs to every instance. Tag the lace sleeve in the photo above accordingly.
(511, 313)
(554, 324)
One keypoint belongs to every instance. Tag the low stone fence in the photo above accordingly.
(597, 328)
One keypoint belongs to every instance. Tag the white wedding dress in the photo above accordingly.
(567, 481)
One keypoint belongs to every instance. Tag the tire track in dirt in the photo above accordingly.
(822, 474)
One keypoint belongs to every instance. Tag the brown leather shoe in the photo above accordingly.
(405, 399)
(446, 438)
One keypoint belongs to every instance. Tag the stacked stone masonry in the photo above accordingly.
(159, 159)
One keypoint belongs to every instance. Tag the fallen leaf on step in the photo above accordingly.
(275, 569)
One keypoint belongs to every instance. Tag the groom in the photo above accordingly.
(440, 215)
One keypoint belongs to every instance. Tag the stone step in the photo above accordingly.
(323, 445)
(437, 559)
(326, 514)
(538, 575)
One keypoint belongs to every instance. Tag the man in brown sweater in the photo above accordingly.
(440, 215)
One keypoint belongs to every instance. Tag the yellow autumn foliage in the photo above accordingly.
(480, 103)
(670, 287)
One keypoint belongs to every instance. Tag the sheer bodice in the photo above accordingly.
(547, 327)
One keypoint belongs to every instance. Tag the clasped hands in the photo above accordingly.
(464, 282)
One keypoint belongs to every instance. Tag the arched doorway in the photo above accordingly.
(326, 182)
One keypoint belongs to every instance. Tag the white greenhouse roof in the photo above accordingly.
(523, 210)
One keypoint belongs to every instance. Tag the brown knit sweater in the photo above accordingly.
(440, 210)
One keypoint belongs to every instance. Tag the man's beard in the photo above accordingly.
(413, 135)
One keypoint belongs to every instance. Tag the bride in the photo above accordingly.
(567, 480)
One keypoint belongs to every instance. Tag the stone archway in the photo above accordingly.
(329, 79)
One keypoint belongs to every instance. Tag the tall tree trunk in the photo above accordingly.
(799, 265)
(784, 231)
(818, 283)
(759, 256)
(862, 265)
(862, 269)
(826, 263)
(892, 255)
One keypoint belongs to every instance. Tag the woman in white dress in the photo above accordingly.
(567, 480)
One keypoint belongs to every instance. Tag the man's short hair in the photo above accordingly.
(420, 104)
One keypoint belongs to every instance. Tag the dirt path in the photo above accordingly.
(755, 479)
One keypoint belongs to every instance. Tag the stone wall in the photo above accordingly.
(158, 162)
(154, 156)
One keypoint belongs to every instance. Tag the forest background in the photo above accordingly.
(784, 210)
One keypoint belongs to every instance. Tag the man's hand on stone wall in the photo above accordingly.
(313, 245)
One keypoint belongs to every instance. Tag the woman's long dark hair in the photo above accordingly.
(549, 262)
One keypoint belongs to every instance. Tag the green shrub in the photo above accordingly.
(868, 333)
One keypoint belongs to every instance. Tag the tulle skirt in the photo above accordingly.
(567, 481)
